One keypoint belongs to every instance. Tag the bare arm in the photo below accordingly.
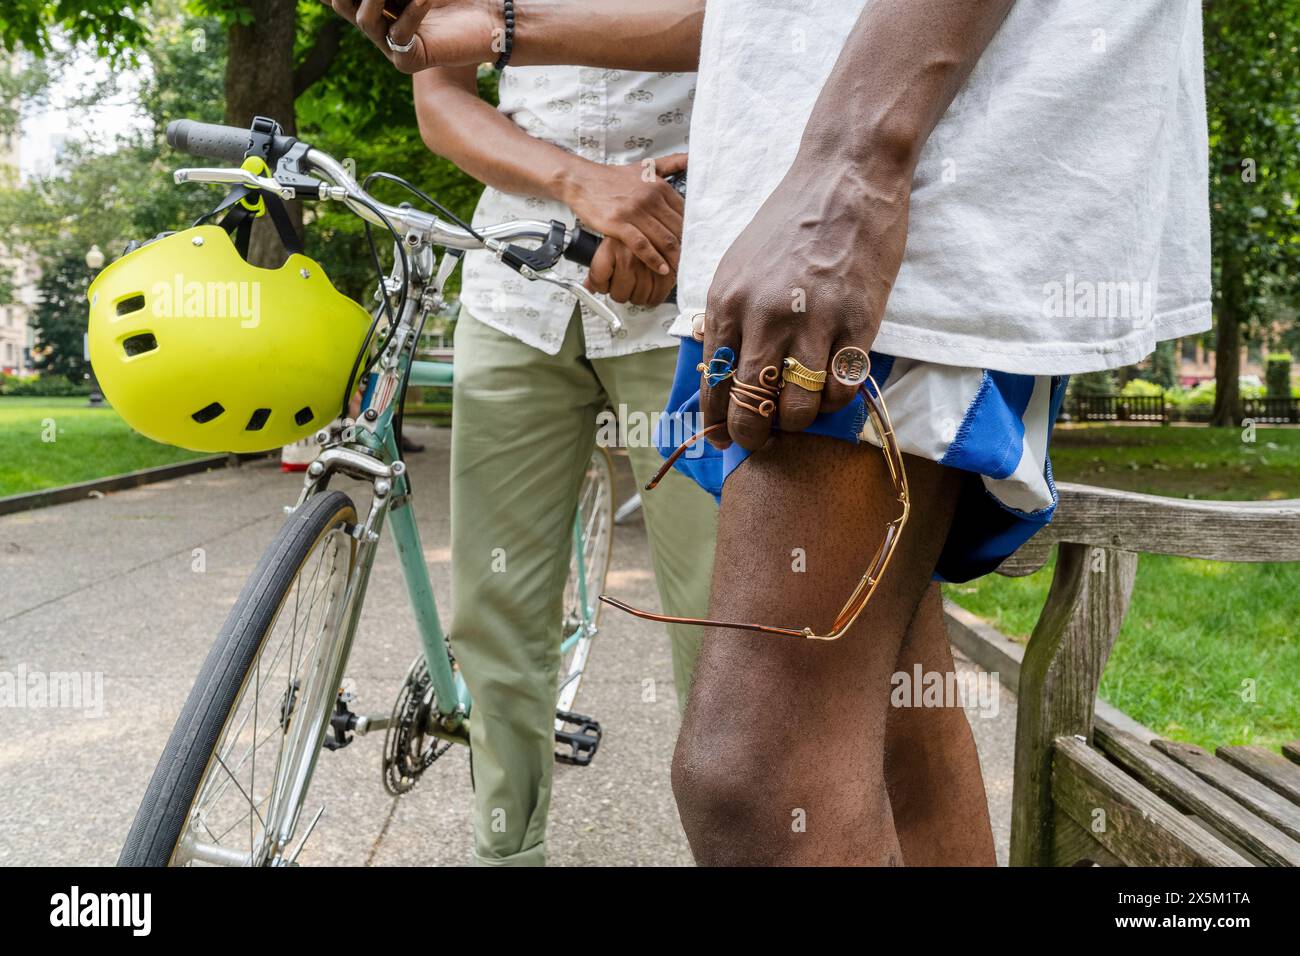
(646, 35)
(836, 226)
(629, 204)
(456, 124)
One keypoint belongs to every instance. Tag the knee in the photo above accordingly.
(725, 800)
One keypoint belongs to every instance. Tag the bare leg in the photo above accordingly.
(781, 754)
(932, 770)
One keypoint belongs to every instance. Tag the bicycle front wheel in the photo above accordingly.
(250, 729)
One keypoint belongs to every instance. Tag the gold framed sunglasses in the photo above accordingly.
(878, 415)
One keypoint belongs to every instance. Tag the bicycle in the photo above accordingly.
(261, 689)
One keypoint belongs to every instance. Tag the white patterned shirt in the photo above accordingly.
(606, 116)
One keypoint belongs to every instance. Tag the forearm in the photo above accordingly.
(647, 35)
(899, 70)
(459, 126)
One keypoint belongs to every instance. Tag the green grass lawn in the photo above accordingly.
(88, 443)
(1209, 652)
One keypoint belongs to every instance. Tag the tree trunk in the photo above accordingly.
(1227, 349)
(260, 82)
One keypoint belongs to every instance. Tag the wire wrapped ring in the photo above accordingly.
(764, 393)
(719, 368)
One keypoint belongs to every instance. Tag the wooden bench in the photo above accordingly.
(1087, 791)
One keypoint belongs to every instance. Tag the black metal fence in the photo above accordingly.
(1271, 411)
(1156, 410)
(1121, 408)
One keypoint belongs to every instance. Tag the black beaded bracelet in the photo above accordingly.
(509, 41)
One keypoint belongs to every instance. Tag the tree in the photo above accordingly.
(1252, 73)
(59, 318)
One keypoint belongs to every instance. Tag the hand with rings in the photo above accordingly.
(802, 290)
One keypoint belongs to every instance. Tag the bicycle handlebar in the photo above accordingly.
(214, 141)
(232, 143)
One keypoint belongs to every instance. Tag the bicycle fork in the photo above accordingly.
(307, 732)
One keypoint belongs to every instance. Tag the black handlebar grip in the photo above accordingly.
(214, 141)
(582, 247)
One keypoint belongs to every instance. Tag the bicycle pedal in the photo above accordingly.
(577, 746)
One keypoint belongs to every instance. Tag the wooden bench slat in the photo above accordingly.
(1189, 792)
(1246, 531)
(1072, 845)
(1140, 828)
(1272, 770)
(1291, 751)
(1262, 801)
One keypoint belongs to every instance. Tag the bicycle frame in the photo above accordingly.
(367, 450)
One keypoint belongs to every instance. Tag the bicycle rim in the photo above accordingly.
(596, 518)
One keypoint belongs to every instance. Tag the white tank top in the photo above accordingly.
(1059, 217)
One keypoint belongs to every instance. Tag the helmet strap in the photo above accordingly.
(243, 205)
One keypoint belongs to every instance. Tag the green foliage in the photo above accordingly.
(59, 319)
(112, 28)
(1277, 374)
(1092, 383)
(363, 110)
(1252, 72)
(1164, 364)
(1140, 386)
(41, 386)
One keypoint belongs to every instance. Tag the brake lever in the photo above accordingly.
(587, 297)
(518, 260)
(234, 177)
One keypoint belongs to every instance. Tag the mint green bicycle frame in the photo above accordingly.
(450, 692)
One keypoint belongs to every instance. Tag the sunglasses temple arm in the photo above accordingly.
(699, 621)
(672, 459)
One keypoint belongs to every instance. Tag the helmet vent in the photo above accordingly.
(257, 420)
(139, 344)
(208, 412)
(303, 415)
(133, 303)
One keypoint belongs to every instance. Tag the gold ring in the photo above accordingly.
(799, 374)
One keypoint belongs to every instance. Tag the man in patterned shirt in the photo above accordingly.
(532, 374)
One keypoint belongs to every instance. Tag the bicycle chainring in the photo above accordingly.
(409, 749)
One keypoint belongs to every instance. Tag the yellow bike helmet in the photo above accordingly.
(195, 347)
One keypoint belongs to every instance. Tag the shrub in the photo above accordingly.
(44, 386)
(1092, 383)
(1277, 374)
(1140, 386)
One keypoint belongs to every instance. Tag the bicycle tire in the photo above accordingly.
(169, 799)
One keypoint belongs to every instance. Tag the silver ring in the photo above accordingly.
(851, 366)
(407, 47)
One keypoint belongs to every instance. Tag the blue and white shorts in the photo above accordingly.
(993, 426)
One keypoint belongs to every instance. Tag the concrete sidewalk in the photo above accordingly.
(134, 586)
